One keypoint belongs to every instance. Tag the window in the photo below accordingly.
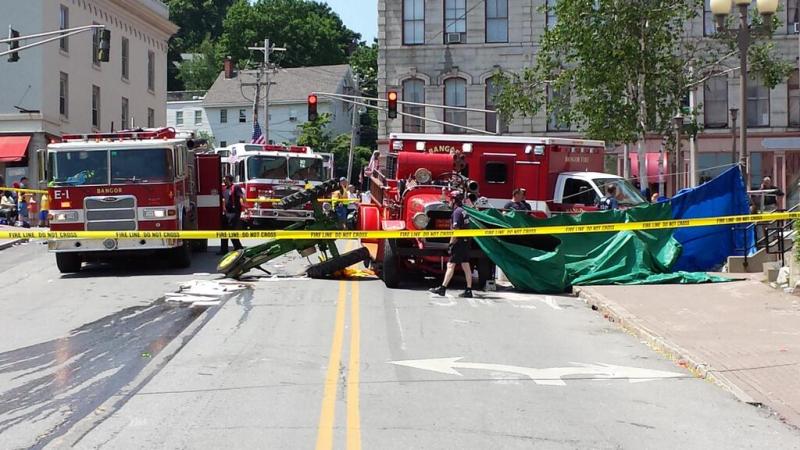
(794, 99)
(554, 97)
(124, 122)
(96, 106)
(63, 95)
(151, 117)
(757, 103)
(579, 191)
(223, 116)
(413, 91)
(709, 23)
(496, 172)
(492, 90)
(125, 52)
(455, 20)
(198, 117)
(715, 103)
(95, 45)
(455, 94)
(63, 24)
(551, 18)
(223, 143)
(178, 117)
(242, 116)
(151, 70)
(496, 20)
(413, 22)
(792, 16)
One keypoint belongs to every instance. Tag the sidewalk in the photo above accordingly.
(742, 335)
(6, 243)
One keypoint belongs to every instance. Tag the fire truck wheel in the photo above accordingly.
(200, 245)
(68, 262)
(390, 270)
(182, 256)
(484, 272)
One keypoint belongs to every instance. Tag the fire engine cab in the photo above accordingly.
(138, 180)
(409, 188)
(271, 172)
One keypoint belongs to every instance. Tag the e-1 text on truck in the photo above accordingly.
(140, 180)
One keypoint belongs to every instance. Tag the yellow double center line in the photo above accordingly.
(328, 413)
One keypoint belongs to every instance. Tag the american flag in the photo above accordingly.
(258, 138)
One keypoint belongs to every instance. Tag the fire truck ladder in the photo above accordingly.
(237, 263)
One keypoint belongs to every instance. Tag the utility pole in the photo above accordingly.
(354, 132)
(266, 67)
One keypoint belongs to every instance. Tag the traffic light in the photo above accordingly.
(392, 97)
(13, 56)
(312, 108)
(104, 48)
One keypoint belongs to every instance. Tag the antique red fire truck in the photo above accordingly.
(409, 186)
(271, 172)
(145, 180)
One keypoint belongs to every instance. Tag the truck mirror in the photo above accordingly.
(41, 160)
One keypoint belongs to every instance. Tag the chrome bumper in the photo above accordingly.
(109, 245)
(293, 215)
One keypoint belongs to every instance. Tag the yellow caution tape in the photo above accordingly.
(401, 234)
(31, 191)
(276, 200)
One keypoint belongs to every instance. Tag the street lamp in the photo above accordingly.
(744, 36)
(677, 122)
(734, 112)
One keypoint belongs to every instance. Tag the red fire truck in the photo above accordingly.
(268, 172)
(145, 180)
(409, 185)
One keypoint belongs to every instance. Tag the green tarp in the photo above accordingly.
(555, 263)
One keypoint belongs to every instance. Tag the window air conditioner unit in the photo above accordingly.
(452, 38)
(795, 27)
(292, 116)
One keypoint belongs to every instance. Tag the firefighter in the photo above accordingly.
(459, 247)
(518, 202)
(233, 197)
(609, 202)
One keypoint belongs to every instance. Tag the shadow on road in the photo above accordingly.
(65, 379)
(147, 265)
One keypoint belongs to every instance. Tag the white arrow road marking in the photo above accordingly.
(549, 377)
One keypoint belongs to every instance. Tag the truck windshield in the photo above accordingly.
(306, 169)
(78, 167)
(141, 165)
(627, 195)
(272, 167)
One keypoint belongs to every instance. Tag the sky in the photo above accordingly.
(360, 16)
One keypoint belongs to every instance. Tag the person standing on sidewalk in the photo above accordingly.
(44, 210)
(233, 198)
(770, 201)
(459, 248)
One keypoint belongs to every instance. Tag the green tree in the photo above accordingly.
(311, 32)
(620, 69)
(315, 135)
(364, 62)
(198, 20)
(200, 72)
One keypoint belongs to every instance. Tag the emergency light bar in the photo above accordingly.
(148, 133)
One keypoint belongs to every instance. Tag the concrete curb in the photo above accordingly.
(630, 323)
(11, 243)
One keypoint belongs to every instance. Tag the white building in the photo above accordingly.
(226, 110)
(60, 87)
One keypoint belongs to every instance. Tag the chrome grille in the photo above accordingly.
(110, 213)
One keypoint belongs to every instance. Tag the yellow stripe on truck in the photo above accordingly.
(340, 234)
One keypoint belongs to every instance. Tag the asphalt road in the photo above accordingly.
(296, 363)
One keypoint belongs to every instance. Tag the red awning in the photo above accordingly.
(652, 166)
(13, 148)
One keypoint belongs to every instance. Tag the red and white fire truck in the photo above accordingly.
(271, 172)
(409, 187)
(144, 180)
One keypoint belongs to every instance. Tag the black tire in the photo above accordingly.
(182, 256)
(389, 271)
(200, 245)
(69, 262)
(341, 262)
(485, 269)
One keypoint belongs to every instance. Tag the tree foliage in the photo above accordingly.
(311, 32)
(619, 69)
(364, 62)
(315, 135)
(199, 20)
(200, 72)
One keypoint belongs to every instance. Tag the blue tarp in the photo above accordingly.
(706, 248)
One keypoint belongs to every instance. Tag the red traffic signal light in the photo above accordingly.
(312, 108)
(392, 97)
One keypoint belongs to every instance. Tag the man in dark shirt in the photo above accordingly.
(610, 201)
(233, 197)
(518, 202)
(459, 247)
(770, 198)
